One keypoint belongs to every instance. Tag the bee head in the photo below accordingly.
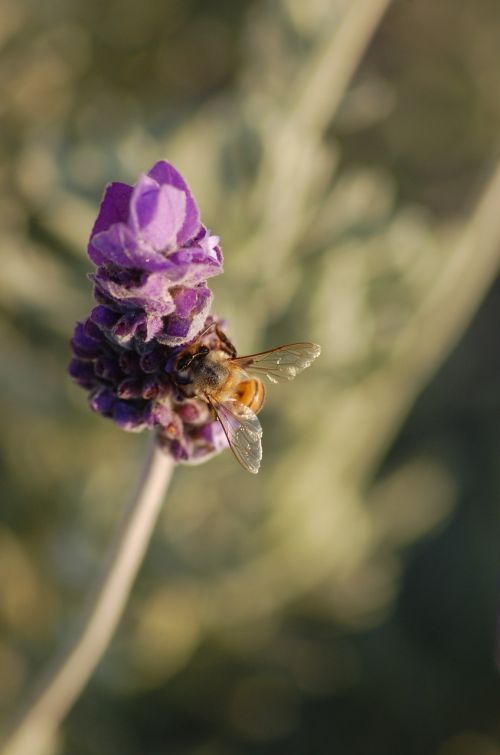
(186, 361)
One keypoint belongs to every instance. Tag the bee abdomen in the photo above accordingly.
(251, 393)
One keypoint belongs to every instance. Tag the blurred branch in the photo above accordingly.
(428, 338)
(60, 687)
(325, 79)
(295, 156)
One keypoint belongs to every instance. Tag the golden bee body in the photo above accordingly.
(214, 375)
(233, 388)
(251, 393)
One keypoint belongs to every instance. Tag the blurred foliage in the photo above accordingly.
(344, 600)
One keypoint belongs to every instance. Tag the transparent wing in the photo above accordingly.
(280, 364)
(243, 432)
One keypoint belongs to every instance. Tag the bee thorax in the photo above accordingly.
(209, 374)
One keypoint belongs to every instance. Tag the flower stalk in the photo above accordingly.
(62, 683)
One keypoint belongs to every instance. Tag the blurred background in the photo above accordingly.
(346, 152)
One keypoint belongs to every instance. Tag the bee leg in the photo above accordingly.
(211, 408)
(225, 340)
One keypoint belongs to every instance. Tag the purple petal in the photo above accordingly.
(126, 327)
(92, 331)
(153, 326)
(114, 209)
(177, 327)
(107, 368)
(185, 300)
(104, 317)
(193, 412)
(101, 297)
(118, 245)
(157, 213)
(164, 416)
(150, 388)
(83, 373)
(214, 434)
(177, 449)
(210, 245)
(192, 265)
(131, 417)
(198, 443)
(103, 402)
(133, 289)
(166, 174)
(130, 388)
(189, 301)
(83, 345)
(179, 330)
(152, 361)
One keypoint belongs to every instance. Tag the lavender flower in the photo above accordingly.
(153, 258)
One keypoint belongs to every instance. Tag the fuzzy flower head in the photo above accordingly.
(153, 258)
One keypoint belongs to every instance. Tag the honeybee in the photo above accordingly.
(233, 387)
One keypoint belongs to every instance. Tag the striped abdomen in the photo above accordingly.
(251, 393)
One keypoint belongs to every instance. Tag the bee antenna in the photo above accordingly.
(205, 330)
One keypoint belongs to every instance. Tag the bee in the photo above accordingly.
(233, 387)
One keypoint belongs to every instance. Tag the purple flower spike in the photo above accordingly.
(153, 258)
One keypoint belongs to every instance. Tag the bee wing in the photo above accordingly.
(280, 364)
(243, 431)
